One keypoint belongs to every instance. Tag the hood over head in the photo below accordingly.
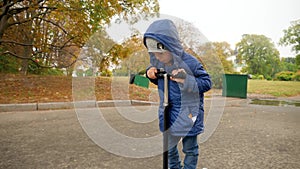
(165, 32)
(154, 46)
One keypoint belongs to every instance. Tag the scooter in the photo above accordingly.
(161, 73)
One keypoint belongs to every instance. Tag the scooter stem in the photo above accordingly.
(166, 123)
(166, 99)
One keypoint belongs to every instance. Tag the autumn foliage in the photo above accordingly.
(43, 34)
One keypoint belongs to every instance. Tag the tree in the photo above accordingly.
(259, 54)
(50, 33)
(214, 56)
(297, 60)
(288, 64)
(137, 58)
(292, 36)
(223, 52)
(190, 36)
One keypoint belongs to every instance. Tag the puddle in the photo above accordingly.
(275, 102)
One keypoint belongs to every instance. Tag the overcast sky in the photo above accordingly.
(228, 20)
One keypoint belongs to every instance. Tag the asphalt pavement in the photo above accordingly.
(239, 135)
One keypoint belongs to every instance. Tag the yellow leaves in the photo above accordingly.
(53, 26)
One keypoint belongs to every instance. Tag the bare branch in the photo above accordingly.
(6, 8)
(64, 45)
(27, 20)
(55, 24)
(21, 57)
(39, 65)
(14, 42)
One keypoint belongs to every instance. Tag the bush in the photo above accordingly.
(106, 73)
(142, 72)
(216, 79)
(9, 64)
(285, 76)
(35, 69)
(52, 71)
(258, 77)
(297, 76)
(269, 78)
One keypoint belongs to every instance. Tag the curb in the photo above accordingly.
(105, 103)
(72, 105)
(18, 107)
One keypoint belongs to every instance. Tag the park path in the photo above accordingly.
(248, 136)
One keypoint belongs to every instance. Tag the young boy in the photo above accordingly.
(185, 93)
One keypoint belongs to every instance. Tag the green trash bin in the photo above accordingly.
(235, 85)
(141, 81)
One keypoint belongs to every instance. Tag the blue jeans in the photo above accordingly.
(190, 149)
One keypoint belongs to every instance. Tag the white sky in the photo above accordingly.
(228, 20)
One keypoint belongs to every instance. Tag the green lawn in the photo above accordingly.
(275, 88)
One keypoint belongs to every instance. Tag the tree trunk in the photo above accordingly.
(3, 18)
(24, 68)
(3, 25)
(25, 62)
(28, 39)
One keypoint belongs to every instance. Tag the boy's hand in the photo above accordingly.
(151, 73)
(176, 72)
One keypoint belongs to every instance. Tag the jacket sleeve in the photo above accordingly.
(198, 82)
(153, 63)
(154, 81)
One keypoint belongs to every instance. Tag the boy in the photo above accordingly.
(185, 94)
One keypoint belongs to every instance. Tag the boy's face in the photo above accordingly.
(164, 57)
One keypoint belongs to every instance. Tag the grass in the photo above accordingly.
(31, 89)
(275, 88)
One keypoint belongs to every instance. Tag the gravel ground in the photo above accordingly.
(248, 136)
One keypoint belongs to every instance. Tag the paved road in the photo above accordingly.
(248, 136)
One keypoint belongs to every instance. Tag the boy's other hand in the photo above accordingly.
(151, 73)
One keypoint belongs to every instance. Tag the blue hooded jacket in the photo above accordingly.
(185, 100)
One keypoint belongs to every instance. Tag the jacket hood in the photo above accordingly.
(165, 32)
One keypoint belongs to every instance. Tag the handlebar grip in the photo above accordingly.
(180, 75)
(160, 74)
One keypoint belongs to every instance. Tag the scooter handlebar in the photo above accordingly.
(160, 74)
